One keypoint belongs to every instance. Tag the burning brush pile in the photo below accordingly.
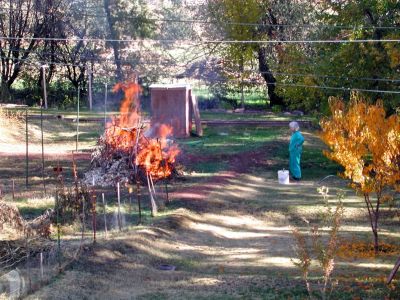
(130, 152)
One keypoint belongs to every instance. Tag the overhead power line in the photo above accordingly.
(337, 88)
(205, 41)
(173, 64)
(38, 63)
(332, 76)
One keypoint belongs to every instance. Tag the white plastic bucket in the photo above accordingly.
(283, 177)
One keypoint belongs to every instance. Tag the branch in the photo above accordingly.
(394, 271)
(370, 208)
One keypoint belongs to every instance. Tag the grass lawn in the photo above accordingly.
(227, 230)
(261, 116)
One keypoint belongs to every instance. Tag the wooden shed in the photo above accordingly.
(175, 105)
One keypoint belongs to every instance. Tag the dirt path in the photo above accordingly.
(220, 242)
(241, 162)
(230, 238)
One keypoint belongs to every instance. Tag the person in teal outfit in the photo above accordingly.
(295, 149)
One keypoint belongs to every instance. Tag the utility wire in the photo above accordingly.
(88, 60)
(170, 64)
(205, 41)
(331, 76)
(290, 85)
(336, 88)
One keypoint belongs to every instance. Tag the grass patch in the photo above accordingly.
(242, 224)
(206, 115)
(228, 140)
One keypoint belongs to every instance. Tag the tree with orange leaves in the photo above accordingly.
(366, 143)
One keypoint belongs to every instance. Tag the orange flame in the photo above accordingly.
(121, 131)
(155, 156)
(129, 110)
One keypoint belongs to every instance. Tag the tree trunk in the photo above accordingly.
(373, 215)
(394, 271)
(376, 241)
(5, 94)
(376, 219)
(269, 78)
(114, 36)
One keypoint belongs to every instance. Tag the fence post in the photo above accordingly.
(41, 128)
(27, 150)
(44, 86)
(90, 88)
(77, 121)
(105, 106)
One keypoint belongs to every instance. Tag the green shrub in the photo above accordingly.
(277, 108)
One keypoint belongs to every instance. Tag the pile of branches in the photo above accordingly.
(14, 252)
(11, 219)
(127, 154)
(110, 165)
(26, 238)
(118, 159)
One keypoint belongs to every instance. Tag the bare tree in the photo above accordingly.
(20, 26)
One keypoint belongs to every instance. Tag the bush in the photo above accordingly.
(311, 245)
(277, 108)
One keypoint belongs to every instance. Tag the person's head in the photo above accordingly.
(294, 126)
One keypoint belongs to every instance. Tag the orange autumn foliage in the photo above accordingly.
(360, 249)
(366, 143)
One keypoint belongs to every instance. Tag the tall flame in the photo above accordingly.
(155, 156)
(121, 131)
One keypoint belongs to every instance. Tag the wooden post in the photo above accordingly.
(77, 121)
(105, 106)
(119, 206)
(138, 198)
(241, 81)
(152, 201)
(27, 150)
(94, 219)
(90, 88)
(196, 113)
(83, 217)
(41, 266)
(105, 213)
(165, 174)
(152, 185)
(13, 189)
(41, 129)
(44, 86)
(137, 171)
(58, 232)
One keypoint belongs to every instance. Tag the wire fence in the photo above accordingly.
(78, 220)
(65, 211)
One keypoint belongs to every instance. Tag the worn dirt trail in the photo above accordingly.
(222, 242)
